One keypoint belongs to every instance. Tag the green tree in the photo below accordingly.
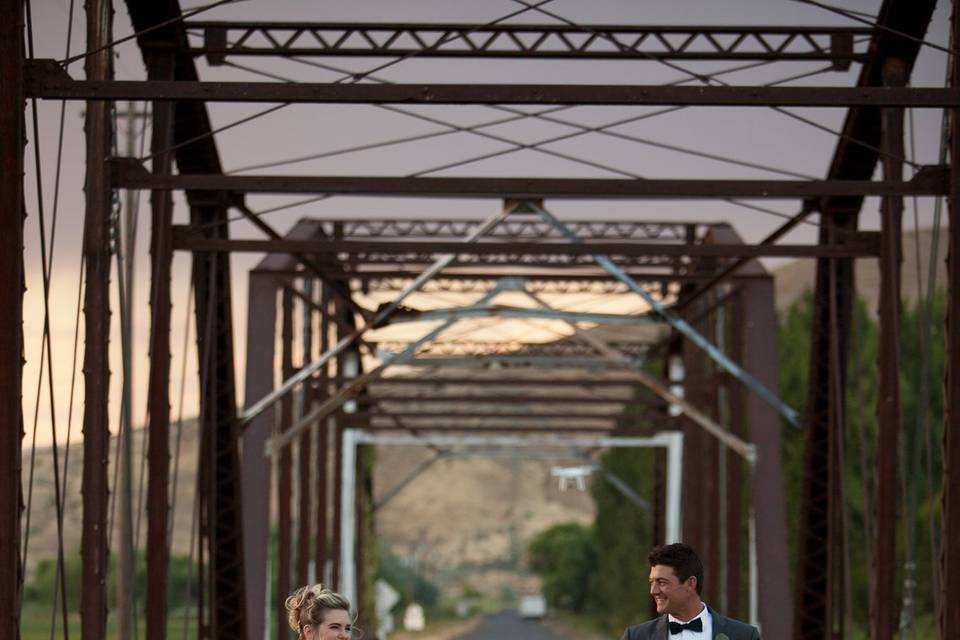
(405, 580)
(922, 349)
(564, 557)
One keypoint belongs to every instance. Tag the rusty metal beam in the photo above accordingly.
(261, 322)
(767, 491)
(305, 462)
(884, 609)
(949, 616)
(323, 462)
(497, 399)
(218, 417)
(534, 428)
(284, 470)
(820, 583)
(96, 358)
(354, 419)
(158, 386)
(598, 42)
(510, 381)
(518, 226)
(46, 79)
(11, 321)
(866, 247)
(130, 174)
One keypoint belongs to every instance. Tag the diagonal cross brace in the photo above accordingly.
(277, 442)
(305, 372)
(681, 325)
(743, 448)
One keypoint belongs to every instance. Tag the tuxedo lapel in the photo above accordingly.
(662, 631)
(719, 626)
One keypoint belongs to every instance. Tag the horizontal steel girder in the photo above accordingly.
(865, 246)
(222, 39)
(517, 227)
(513, 428)
(353, 418)
(478, 280)
(130, 174)
(510, 381)
(496, 398)
(46, 79)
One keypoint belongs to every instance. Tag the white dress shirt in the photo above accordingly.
(687, 634)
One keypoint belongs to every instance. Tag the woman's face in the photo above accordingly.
(336, 625)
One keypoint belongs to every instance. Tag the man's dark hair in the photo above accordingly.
(681, 558)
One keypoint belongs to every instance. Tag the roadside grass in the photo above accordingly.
(35, 624)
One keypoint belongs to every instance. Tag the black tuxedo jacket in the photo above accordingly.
(723, 629)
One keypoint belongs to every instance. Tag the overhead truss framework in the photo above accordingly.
(722, 342)
(219, 41)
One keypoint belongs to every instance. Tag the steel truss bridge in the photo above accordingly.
(312, 301)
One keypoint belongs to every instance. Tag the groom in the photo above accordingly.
(676, 578)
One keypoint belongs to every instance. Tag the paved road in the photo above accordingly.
(508, 625)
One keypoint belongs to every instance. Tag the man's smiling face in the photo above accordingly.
(679, 599)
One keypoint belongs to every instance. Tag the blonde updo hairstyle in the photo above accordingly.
(309, 605)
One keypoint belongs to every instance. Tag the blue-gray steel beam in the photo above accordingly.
(683, 327)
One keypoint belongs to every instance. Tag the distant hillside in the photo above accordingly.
(795, 278)
(43, 524)
(474, 515)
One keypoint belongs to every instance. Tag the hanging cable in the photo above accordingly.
(179, 426)
(46, 348)
(356, 77)
(536, 146)
(706, 80)
(151, 28)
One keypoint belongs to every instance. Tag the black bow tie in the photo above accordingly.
(693, 625)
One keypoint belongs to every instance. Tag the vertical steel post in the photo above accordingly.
(261, 327)
(218, 411)
(11, 320)
(337, 437)
(735, 467)
(160, 67)
(96, 363)
(883, 603)
(322, 552)
(820, 582)
(760, 330)
(304, 489)
(709, 461)
(949, 620)
(284, 462)
(693, 447)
